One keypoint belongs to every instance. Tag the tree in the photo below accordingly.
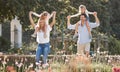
(114, 6)
(108, 13)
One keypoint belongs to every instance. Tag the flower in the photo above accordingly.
(19, 65)
(31, 65)
(115, 69)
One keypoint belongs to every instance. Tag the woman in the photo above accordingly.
(43, 36)
(48, 16)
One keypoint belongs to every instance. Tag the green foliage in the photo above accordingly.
(68, 7)
(25, 49)
(108, 13)
(114, 46)
(13, 50)
(63, 8)
(4, 44)
(114, 9)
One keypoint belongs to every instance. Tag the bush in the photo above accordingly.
(4, 44)
(114, 46)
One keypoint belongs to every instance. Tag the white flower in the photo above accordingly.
(19, 65)
(16, 63)
(31, 65)
(4, 62)
(109, 61)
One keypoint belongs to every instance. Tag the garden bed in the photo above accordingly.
(57, 63)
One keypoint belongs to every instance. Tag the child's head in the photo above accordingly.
(82, 8)
(44, 15)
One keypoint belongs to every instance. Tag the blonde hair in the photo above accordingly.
(82, 6)
(42, 18)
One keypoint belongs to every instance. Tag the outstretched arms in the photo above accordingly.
(38, 15)
(79, 13)
(88, 12)
(75, 15)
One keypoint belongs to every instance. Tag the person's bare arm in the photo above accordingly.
(37, 15)
(76, 28)
(31, 19)
(96, 18)
(96, 23)
(53, 20)
(50, 16)
(68, 20)
(75, 15)
(90, 12)
(69, 26)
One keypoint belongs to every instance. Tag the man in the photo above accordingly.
(84, 32)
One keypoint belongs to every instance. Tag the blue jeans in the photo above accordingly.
(43, 49)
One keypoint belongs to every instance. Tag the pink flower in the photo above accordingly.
(115, 69)
(9, 68)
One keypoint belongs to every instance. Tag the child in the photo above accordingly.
(82, 9)
(45, 15)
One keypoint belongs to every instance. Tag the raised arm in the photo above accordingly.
(96, 18)
(75, 15)
(68, 20)
(50, 15)
(97, 22)
(69, 26)
(37, 15)
(31, 19)
(53, 20)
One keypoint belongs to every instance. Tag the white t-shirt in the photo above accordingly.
(40, 35)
